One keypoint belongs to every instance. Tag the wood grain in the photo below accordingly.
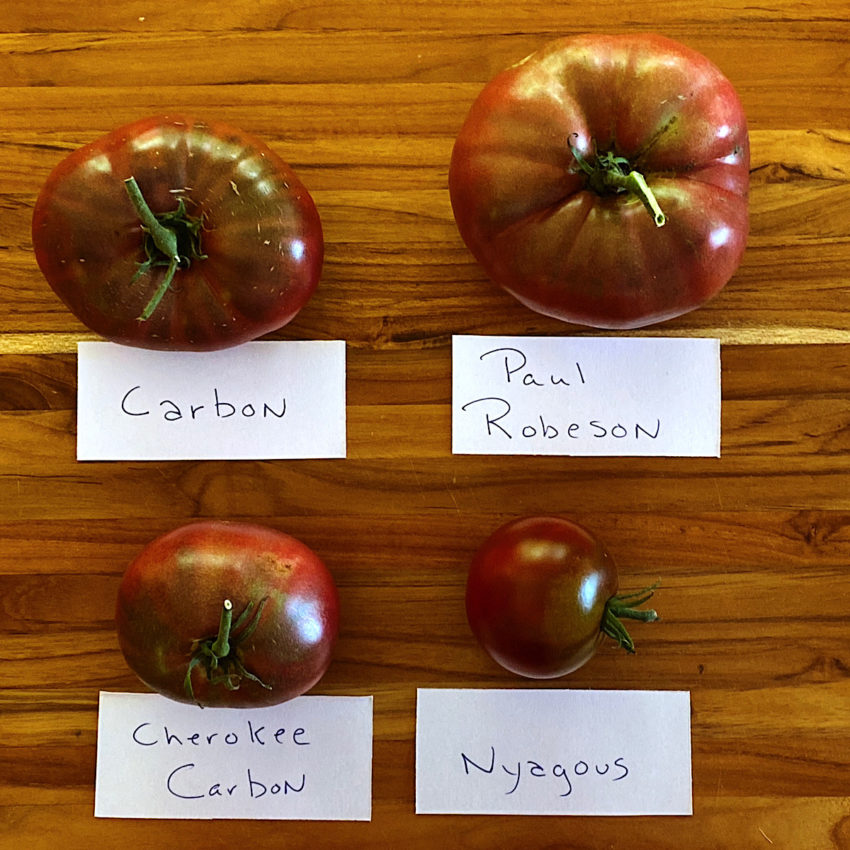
(364, 100)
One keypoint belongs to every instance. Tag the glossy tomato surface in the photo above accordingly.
(538, 171)
(171, 599)
(261, 245)
(536, 595)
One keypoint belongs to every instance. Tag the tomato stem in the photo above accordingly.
(220, 656)
(163, 237)
(221, 646)
(637, 185)
(623, 607)
(612, 174)
(172, 239)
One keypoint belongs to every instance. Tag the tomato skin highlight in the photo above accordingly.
(171, 597)
(261, 235)
(536, 595)
(529, 215)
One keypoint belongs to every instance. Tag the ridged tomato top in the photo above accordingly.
(261, 235)
(526, 210)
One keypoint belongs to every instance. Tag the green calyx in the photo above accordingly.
(172, 240)
(219, 656)
(625, 607)
(609, 174)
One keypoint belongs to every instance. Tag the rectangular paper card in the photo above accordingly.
(586, 396)
(306, 759)
(259, 400)
(553, 752)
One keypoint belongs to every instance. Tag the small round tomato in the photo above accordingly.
(227, 614)
(603, 180)
(172, 233)
(541, 594)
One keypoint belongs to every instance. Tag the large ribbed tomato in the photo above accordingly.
(172, 233)
(603, 180)
(227, 614)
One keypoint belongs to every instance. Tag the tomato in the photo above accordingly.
(603, 180)
(227, 614)
(542, 593)
(172, 233)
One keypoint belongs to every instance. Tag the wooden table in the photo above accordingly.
(364, 100)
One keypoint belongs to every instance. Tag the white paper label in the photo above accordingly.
(553, 752)
(586, 396)
(307, 759)
(260, 400)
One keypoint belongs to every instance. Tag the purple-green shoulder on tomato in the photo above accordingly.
(227, 614)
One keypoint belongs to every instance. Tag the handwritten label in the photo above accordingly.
(553, 752)
(586, 396)
(260, 400)
(307, 759)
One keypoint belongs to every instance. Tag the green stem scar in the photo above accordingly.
(610, 174)
(219, 656)
(625, 606)
(172, 240)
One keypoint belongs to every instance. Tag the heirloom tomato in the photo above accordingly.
(227, 614)
(603, 180)
(541, 594)
(172, 233)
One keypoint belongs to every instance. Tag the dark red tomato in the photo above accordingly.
(542, 593)
(227, 614)
(603, 180)
(231, 222)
